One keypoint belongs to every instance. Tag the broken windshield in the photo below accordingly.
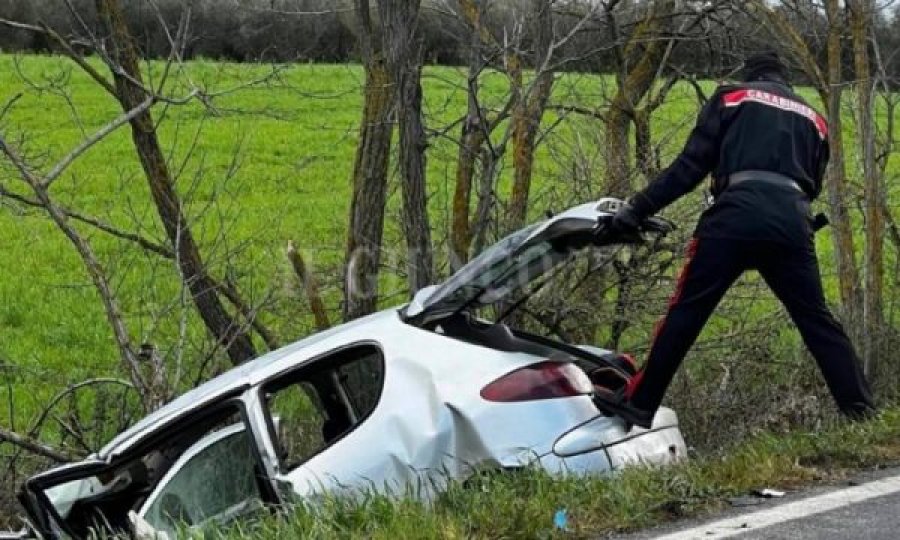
(513, 273)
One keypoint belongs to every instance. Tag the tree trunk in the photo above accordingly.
(370, 170)
(618, 150)
(643, 144)
(404, 54)
(130, 91)
(836, 178)
(310, 287)
(633, 86)
(528, 112)
(861, 12)
(460, 234)
(487, 200)
(470, 143)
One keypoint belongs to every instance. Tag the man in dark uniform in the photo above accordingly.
(767, 151)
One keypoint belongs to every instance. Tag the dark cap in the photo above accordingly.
(762, 64)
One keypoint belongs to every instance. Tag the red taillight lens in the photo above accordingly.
(539, 381)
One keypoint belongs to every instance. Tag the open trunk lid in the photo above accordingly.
(515, 261)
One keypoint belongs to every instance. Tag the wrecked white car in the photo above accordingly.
(402, 401)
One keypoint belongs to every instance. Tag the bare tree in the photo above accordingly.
(136, 98)
(150, 375)
(471, 138)
(130, 90)
(370, 170)
(40, 185)
(403, 47)
(836, 179)
(639, 59)
(861, 13)
(485, 51)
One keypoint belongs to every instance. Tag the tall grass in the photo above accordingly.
(529, 504)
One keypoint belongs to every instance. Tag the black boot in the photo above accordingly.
(617, 405)
(859, 412)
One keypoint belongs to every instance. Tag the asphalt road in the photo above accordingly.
(866, 508)
(874, 519)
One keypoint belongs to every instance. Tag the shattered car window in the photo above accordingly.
(179, 459)
(219, 481)
(512, 274)
(64, 496)
(301, 422)
(315, 406)
(558, 304)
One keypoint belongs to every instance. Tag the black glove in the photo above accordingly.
(819, 222)
(626, 220)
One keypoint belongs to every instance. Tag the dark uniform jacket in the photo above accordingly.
(756, 126)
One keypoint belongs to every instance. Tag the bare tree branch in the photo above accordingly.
(67, 49)
(48, 407)
(309, 284)
(576, 109)
(9, 104)
(143, 242)
(94, 139)
(35, 447)
(92, 265)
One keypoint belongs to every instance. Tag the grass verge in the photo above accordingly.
(524, 505)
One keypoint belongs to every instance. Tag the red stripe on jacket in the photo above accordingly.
(738, 97)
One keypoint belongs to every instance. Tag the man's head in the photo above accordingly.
(766, 65)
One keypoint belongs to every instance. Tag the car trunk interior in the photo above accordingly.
(611, 371)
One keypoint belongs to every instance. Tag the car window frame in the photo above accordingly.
(272, 432)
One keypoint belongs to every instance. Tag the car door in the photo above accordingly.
(100, 497)
(214, 481)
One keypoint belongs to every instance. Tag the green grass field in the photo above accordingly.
(270, 163)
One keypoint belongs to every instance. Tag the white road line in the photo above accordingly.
(760, 519)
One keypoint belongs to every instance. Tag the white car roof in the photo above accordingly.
(250, 373)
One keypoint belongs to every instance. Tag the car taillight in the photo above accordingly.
(545, 380)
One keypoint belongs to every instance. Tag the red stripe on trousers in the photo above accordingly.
(690, 252)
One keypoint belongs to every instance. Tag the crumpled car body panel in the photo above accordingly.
(432, 425)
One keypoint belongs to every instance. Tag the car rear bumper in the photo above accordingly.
(602, 444)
